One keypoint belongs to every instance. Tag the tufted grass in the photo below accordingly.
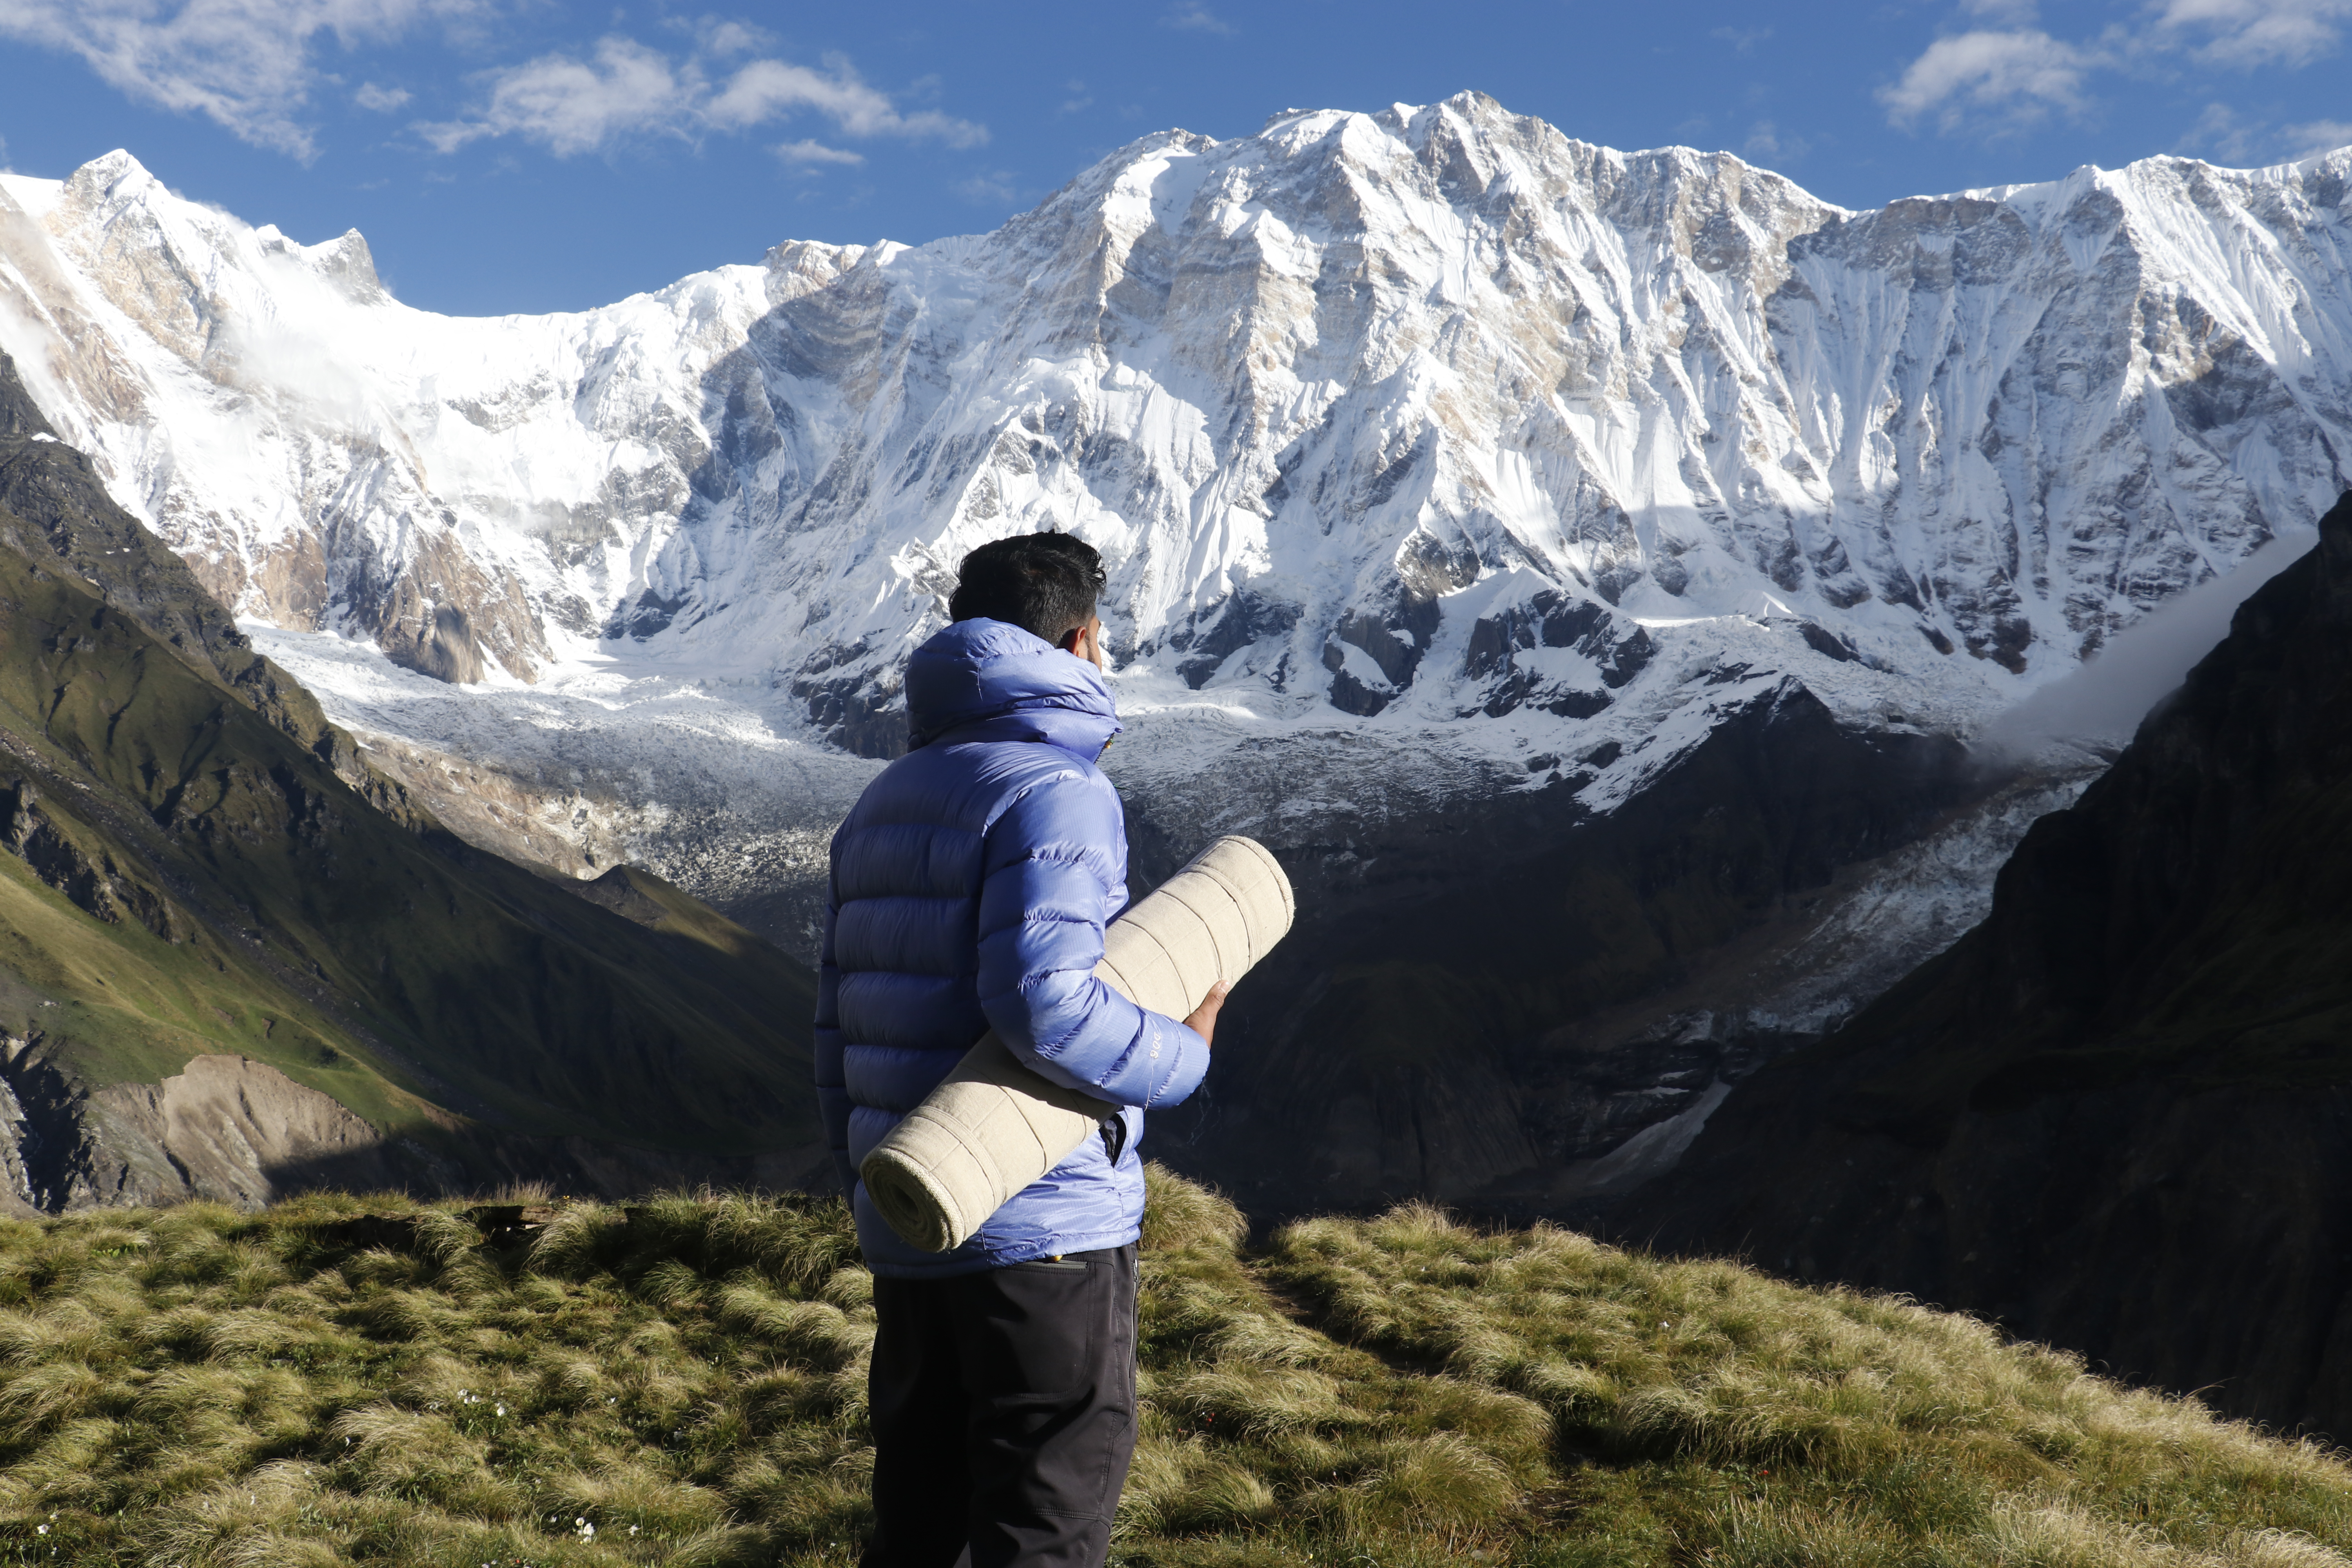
(682, 1382)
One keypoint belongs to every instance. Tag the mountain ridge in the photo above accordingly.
(1711, 274)
(2114, 1115)
(208, 893)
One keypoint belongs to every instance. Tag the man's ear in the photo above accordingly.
(1070, 639)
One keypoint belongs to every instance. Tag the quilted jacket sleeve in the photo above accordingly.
(831, 1087)
(1053, 868)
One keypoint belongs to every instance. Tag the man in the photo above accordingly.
(971, 887)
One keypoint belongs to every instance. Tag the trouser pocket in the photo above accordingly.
(1035, 1331)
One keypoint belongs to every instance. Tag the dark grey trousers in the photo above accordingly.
(1003, 1413)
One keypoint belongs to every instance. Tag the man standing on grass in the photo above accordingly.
(971, 887)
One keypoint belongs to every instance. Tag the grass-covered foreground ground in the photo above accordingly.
(682, 1382)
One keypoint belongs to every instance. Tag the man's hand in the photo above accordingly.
(1204, 1021)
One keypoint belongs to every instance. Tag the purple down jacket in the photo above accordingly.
(970, 886)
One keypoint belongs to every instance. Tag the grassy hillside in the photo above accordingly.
(199, 863)
(681, 1382)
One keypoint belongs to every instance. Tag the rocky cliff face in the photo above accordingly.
(2114, 1115)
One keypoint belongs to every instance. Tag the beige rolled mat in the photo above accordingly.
(994, 1126)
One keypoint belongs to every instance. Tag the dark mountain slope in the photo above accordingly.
(1413, 1036)
(2118, 1114)
(193, 872)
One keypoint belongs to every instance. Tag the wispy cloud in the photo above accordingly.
(724, 40)
(769, 89)
(571, 105)
(2003, 13)
(2317, 137)
(382, 100)
(1079, 97)
(2247, 32)
(1767, 143)
(994, 187)
(2024, 75)
(1997, 78)
(2220, 133)
(807, 151)
(1192, 16)
(1741, 38)
(246, 64)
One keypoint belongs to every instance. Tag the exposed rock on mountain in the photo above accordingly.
(1409, 1035)
(198, 915)
(2118, 1115)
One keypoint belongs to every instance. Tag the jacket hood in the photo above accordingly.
(988, 680)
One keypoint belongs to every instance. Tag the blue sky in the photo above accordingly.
(534, 155)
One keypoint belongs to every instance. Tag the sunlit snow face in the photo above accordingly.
(1336, 422)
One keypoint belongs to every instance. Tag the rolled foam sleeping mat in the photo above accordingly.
(994, 1126)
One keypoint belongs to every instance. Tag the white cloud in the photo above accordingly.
(2254, 32)
(1767, 143)
(244, 63)
(1192, 16)
(2016, 69)
(2222, 134)
(2317, 137)
(570, 105)
(768, 89)
(807, 151)
(724, 40)
(382, 99)
(2219, 134)
(1741, 38)
(993, 188)
(2022, 75)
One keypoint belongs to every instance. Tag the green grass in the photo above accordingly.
(137, 1008)
(682, 1382)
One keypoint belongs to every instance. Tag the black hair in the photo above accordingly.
(1046, 583)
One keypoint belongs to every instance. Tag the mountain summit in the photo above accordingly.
(1433, 411)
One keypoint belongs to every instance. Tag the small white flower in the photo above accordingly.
(502, 1410)
(41, 1529)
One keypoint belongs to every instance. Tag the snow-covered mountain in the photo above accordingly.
(1462, 485)
(1430, 418)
